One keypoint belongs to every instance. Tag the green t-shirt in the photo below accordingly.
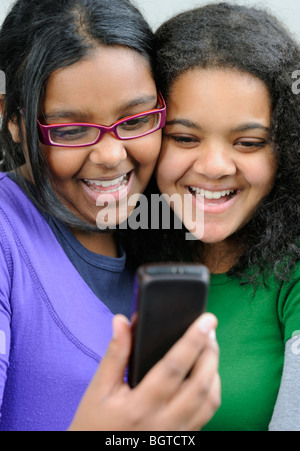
(252, 333)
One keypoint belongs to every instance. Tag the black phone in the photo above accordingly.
(168, 298)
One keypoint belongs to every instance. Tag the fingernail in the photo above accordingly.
(207, 324)
(117, 319)
(114, 329)
(213, 335)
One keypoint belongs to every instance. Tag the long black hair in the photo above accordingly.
(39, 37)
(253, 41)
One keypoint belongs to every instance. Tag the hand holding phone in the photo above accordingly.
(164, 400)
(168, 298)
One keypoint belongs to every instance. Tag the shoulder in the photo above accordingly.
(289, 302)
(14, 203)
(294, 275)
(20, 220)
(10, 193)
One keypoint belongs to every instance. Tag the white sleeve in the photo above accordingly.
(286, 415)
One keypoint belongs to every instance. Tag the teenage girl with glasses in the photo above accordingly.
(70, 66)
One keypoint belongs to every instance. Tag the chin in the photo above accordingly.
(213, 238)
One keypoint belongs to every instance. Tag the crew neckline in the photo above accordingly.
(220, 279)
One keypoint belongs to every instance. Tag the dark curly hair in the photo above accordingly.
(253, 41)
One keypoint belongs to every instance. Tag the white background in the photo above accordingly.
(156, 11)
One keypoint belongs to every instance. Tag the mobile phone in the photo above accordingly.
(168, 298)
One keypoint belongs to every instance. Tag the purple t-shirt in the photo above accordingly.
(53, 329)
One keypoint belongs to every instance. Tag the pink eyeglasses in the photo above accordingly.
(83, 134)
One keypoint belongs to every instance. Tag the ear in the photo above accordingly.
(14, 131)
(12, 126)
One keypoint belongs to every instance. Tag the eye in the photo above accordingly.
(251, 145)
(73, 134)
(134, 124)
(69, 133)
(185, 141)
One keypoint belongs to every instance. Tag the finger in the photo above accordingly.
(207, 362)
(166, 377)
(208, 408)
(189, 402)
(110, 373)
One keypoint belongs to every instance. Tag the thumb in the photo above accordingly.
(112, 368)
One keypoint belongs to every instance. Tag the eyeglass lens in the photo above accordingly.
(81, 134)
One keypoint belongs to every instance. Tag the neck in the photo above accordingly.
(220, 257)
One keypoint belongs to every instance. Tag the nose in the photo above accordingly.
(215, 160)
(109, 152)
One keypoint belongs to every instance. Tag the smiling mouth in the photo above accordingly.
(108, 186)
(213, 197)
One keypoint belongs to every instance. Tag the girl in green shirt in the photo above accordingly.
(231, 150)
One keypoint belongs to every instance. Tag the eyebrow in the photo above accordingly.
(251, 126)
(82, 116)
(145, 100)
(186, 123)
(240, 128)
(56, 115)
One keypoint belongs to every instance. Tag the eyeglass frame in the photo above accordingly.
(45, 129)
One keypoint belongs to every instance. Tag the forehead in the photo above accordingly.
(222, 94)
(110, 75)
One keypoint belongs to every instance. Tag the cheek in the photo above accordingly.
(63, 164)
(170, 168)
(146, 152)
(152, 148)
(261, 175)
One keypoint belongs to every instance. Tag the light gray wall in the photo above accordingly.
(156, 11)
(4, 7)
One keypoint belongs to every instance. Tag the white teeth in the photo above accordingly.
(211, 194)
(107, 183)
